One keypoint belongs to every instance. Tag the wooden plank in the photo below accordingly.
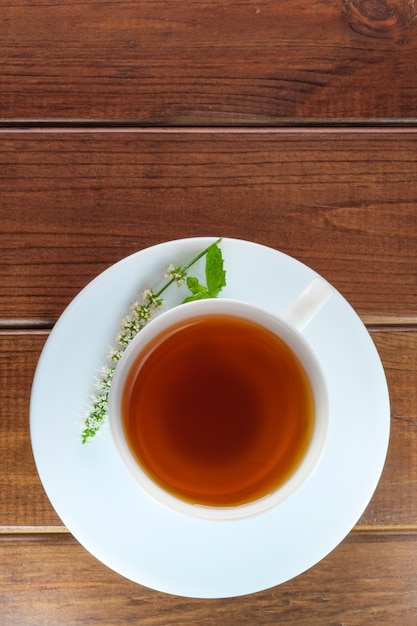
(72, 203)
(22, 499)
(170, 62)
(394, 501)
(52, 580)
(394, 504)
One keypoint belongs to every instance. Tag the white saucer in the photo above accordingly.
(103, 507)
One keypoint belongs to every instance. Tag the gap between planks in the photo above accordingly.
(372, 322)
(386, 125)
(359, 531)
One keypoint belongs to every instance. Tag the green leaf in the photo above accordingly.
(193, 298)
(215, 277)
(215, 274)
(195, 287)
(199, 291)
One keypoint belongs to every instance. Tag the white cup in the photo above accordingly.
(289, 329)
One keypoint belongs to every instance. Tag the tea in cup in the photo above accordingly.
(219, 408)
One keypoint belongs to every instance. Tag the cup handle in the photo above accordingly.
(308, 303)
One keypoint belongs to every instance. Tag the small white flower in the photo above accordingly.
(128, 321)
(134, 306)
(176, 273)
(123, 339)
(104, 385)
(106, 371)
(147, 296)
(159, 303)
(170, 271)
(114, 355)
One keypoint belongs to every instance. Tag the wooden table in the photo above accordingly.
(124, 124)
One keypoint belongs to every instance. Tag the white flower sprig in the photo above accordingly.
(140, 314)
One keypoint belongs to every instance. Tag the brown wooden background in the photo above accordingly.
(124, 124)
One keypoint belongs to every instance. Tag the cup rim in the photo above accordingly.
(297, 342)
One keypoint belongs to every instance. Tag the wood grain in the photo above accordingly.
(22, 499)
(175, 63)
(394, 505)
(52, 580)
(74, 202)
(394, 501)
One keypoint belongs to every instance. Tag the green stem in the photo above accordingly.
(99, 408)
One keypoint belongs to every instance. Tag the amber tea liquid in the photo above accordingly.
(218, 410)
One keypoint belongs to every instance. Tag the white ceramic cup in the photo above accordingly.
(289, 328)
